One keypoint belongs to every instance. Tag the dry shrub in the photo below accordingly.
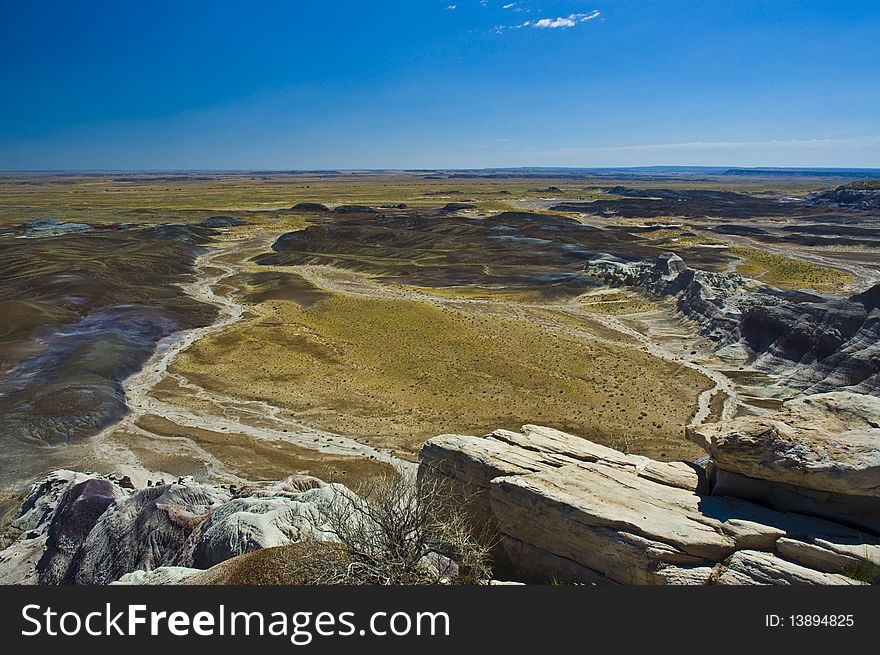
(405, 530)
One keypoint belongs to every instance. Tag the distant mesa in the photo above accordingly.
(192, 234)
(620, 191)
(354, 209)
(222, 221)
(49, 227)
(686, 203)
(310, 207)
(458, 206)
(549, 189)
(401, 205)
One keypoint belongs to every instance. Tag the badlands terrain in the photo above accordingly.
(228, 330)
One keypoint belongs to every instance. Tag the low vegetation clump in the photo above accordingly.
(614, 304)
(400, 530)
(406, 530)
(867, 570)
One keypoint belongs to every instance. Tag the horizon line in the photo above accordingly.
(343, 170)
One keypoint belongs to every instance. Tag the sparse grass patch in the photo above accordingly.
(867, 570)
(395, 373)
(789, 273)
(479, 293)
(614, 304)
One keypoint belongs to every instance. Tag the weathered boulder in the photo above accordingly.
(823, 555)
(619, 527)
(247, 524)
(89, 529)
(686, 575)
(479, 459)
(818, 454)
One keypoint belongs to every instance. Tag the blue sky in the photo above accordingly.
(416, 83)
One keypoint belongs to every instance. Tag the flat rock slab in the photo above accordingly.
(858, 560)
(752, 567)
(599, 496)
(478, 460)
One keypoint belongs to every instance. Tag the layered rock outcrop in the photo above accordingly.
(860, 195)
(815, 343)
(570, 510)
(88, 529)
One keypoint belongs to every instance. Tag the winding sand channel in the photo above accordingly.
(217, 413)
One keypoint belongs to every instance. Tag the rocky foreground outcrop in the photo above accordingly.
(786, 498)
(569, 510)
(815, 343)
(76, 528)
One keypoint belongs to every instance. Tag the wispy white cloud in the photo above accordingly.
(451, 7)
(510, 5)
(560, 22)
(567, 21)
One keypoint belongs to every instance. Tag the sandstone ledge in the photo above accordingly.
(570, 510)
